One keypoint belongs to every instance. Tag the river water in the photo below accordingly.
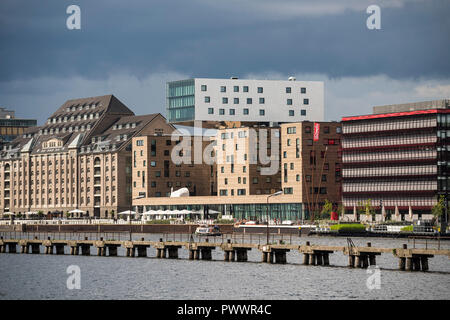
(27, 276)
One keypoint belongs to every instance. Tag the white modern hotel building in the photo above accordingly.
(273, 102)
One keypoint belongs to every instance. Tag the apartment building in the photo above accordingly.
(248, 161)
(311, 162)
(79, 159)
(211, 102)
(398, 160)
(165, 163)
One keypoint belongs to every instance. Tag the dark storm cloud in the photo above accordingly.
(204, 39)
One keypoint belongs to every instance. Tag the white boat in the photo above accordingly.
(205, 230)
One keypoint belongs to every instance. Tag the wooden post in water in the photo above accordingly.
(357, 261)
(424, 263)
(326, 259)
(312, 259)
(319, 258)
(402, 263)
(409, 265)
(306, 259)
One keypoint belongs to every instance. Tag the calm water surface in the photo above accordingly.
(26, 276)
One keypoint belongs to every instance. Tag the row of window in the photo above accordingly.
(246, 111)
(85, 106)
(388, 156)
(388, 141)
(261, 100)
(73, 118)
(389, 186)
(391, 124)
(389, 171)
(391, 201)
(204, 88)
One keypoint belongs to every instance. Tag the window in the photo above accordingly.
(223, 89)
(255, 180)
(305, 101)
(338, 130)
(140, 143)
(207, 99)
(288, 89)
(291, 113)
(203, 87)
(245, 89)
(308, 129)
(291, 130)
(302, 90)
(262, 112)
(289, 102)
(284, 154)
(303, 112)
(221, 112)
(236, 100)
(224, 100)
(236, 88)
(245, 111)
(232, 112)
(210, 110)
(260, 90)
(309, 142)
(288, 190)
(297, 177)
(261, 100)
(153, 163)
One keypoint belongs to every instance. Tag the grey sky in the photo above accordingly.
(130, 48)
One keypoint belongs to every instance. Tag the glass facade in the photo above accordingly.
(180, 100)
(258, 211)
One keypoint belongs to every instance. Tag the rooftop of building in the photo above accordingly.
(94, 124)
(412, 106)
(395, 114)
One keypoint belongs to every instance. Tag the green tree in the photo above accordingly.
(67, 215)
(368, 209)
(326, 209)
(438, 208)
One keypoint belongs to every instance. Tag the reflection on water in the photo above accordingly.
(26, 276)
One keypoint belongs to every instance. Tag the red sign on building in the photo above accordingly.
(316, 131)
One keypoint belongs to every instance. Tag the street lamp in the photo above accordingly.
(131, 210)
(267, 211)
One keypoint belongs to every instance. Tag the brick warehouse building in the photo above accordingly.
(79, 159)
(396, 159)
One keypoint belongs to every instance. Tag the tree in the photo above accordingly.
(326, 209)
(40, 214)
(368, 210)
(67, 215)
(438, 208)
